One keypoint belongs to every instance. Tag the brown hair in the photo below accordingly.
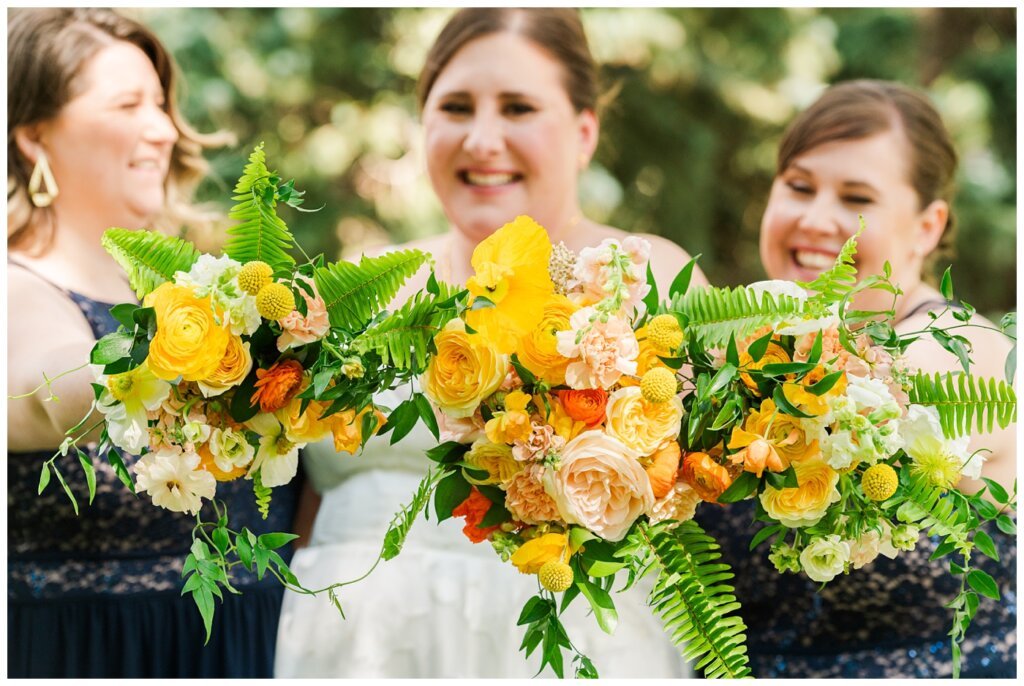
(862, 108)
(46, 51)
(558, 31)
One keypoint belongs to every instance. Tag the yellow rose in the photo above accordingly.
(648, 358)
(232, 370)
(495, 459)
(783, 432)
(806, 504)
(538, 349)
(532, 555)
(347, 428)
(188, 340)
(775, 354)
(640, 425)
(464, 371)
(514, 423)
(304, 427)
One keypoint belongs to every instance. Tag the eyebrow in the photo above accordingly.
(504, 95)
(846, 184)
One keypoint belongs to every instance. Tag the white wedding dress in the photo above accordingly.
(444, 607)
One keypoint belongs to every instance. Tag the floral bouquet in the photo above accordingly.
(232, 364)
(584, 423)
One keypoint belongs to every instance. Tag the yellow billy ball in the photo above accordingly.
(275, 301)
(253, 276)
(555, 576)
(664, 333)
(658, 385)
(879, 481)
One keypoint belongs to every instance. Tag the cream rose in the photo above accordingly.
(600, 485)
(495, 459)
(464, 371)
(825, 558)
(642, 426)
(806, 504)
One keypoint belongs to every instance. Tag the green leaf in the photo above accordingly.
(122, 312)
(651, 300)
(825, 384)
(744, 485)
(730, 411)
(90, 473)
(681, 283)
(149, 258)
(602, 605)
(64, 484)
(1006, 525)
(114, 458)
(450, 493)
(962, 398)
(244, 550)
(787, 407)
(815, 349)
(986, 545)
(535, 609)
(983, 583)
(204, 601)
(784, 479)
(946, 285)
(998, 492)
(355, 293)
(578, 535)
(721, 379)
(403, 520)
(598, 559)
(44, 478)
(401, 420)
(784, 368)
(448, 452)
(758, 348)
(273, 541)
(427, 414)
(260, 234)
(732, 355)
(986, 509)
(525, 374)
(764, 534)
(112, 348)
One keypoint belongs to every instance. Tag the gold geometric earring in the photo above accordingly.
(42, 177)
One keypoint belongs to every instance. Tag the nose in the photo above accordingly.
(486, 136)
(820, 216)
(159, 128)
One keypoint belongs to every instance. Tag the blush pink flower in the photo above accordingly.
(298, 329)
(606, 350)
(526, 498)
(542, 440)
(461, 430)
(595, 266)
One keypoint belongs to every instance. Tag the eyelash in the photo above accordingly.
(515, 109)
(807, 190)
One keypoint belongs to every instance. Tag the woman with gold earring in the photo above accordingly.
(91, 108)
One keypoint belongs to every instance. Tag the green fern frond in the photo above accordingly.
(403, 337)
(147, 257)
(354, 293)
(832, 285)
(715, 314)
(959, 398)
(694, 601)
(260, 235)
(262, 494)
(925, 506)
(404, 519)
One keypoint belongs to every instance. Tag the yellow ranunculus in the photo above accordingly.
(783, 432)
(806, 504)
(807, 402)
(464, 371)
(511, 268)
(564, 425)
(513, 424)
(495, 459)
(538, 350)
(532, 555)
(232, 370)
(345, 426)
(188, 340)
(640, 425)
(775, 354)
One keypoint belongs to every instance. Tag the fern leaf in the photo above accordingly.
(403, 337)
(832, 285)
(962, 398)
(926, 506)
(716, 314)
(354, 293)
(262, 494)
(404, 519)
(260, 234)
(147, 257)
(694, 601)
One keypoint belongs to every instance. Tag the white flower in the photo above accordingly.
(873, 394)
(173, 480)
(825, 558)
(125, 402)
(196, 431)
(795, 325)
(277, 458)
(925, 443)
(864, 549)
(230, 449)
(839, 449)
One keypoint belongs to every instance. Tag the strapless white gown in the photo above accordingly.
(444, 607)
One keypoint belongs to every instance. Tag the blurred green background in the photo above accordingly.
(687, 147)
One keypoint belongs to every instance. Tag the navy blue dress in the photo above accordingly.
(99, 594)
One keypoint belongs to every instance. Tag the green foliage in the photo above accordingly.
(714, 315)
(404, 519)
(147, 257)
(262, 493)
(260, 233)
(693, 599)
(959, 398)
(833, 285)
(404, 336)
(543, 628)
(355, 293)
(926, 506)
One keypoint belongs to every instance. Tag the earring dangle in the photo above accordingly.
(42, 188)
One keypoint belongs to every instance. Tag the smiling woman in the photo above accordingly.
(95, 141)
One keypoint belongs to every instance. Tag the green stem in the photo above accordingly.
(47, 382)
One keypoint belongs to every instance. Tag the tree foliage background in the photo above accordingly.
(687, 146)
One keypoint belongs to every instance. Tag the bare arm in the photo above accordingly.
(667, 259)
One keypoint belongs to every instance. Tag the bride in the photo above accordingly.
(508, 99)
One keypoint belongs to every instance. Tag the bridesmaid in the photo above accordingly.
(878, 149)
(509, 100)
(95, 140)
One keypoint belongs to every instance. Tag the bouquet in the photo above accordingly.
(232, 364)
(585, 421)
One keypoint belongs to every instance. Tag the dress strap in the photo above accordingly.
(928, 305)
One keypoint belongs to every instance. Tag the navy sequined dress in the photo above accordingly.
(99, 594)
